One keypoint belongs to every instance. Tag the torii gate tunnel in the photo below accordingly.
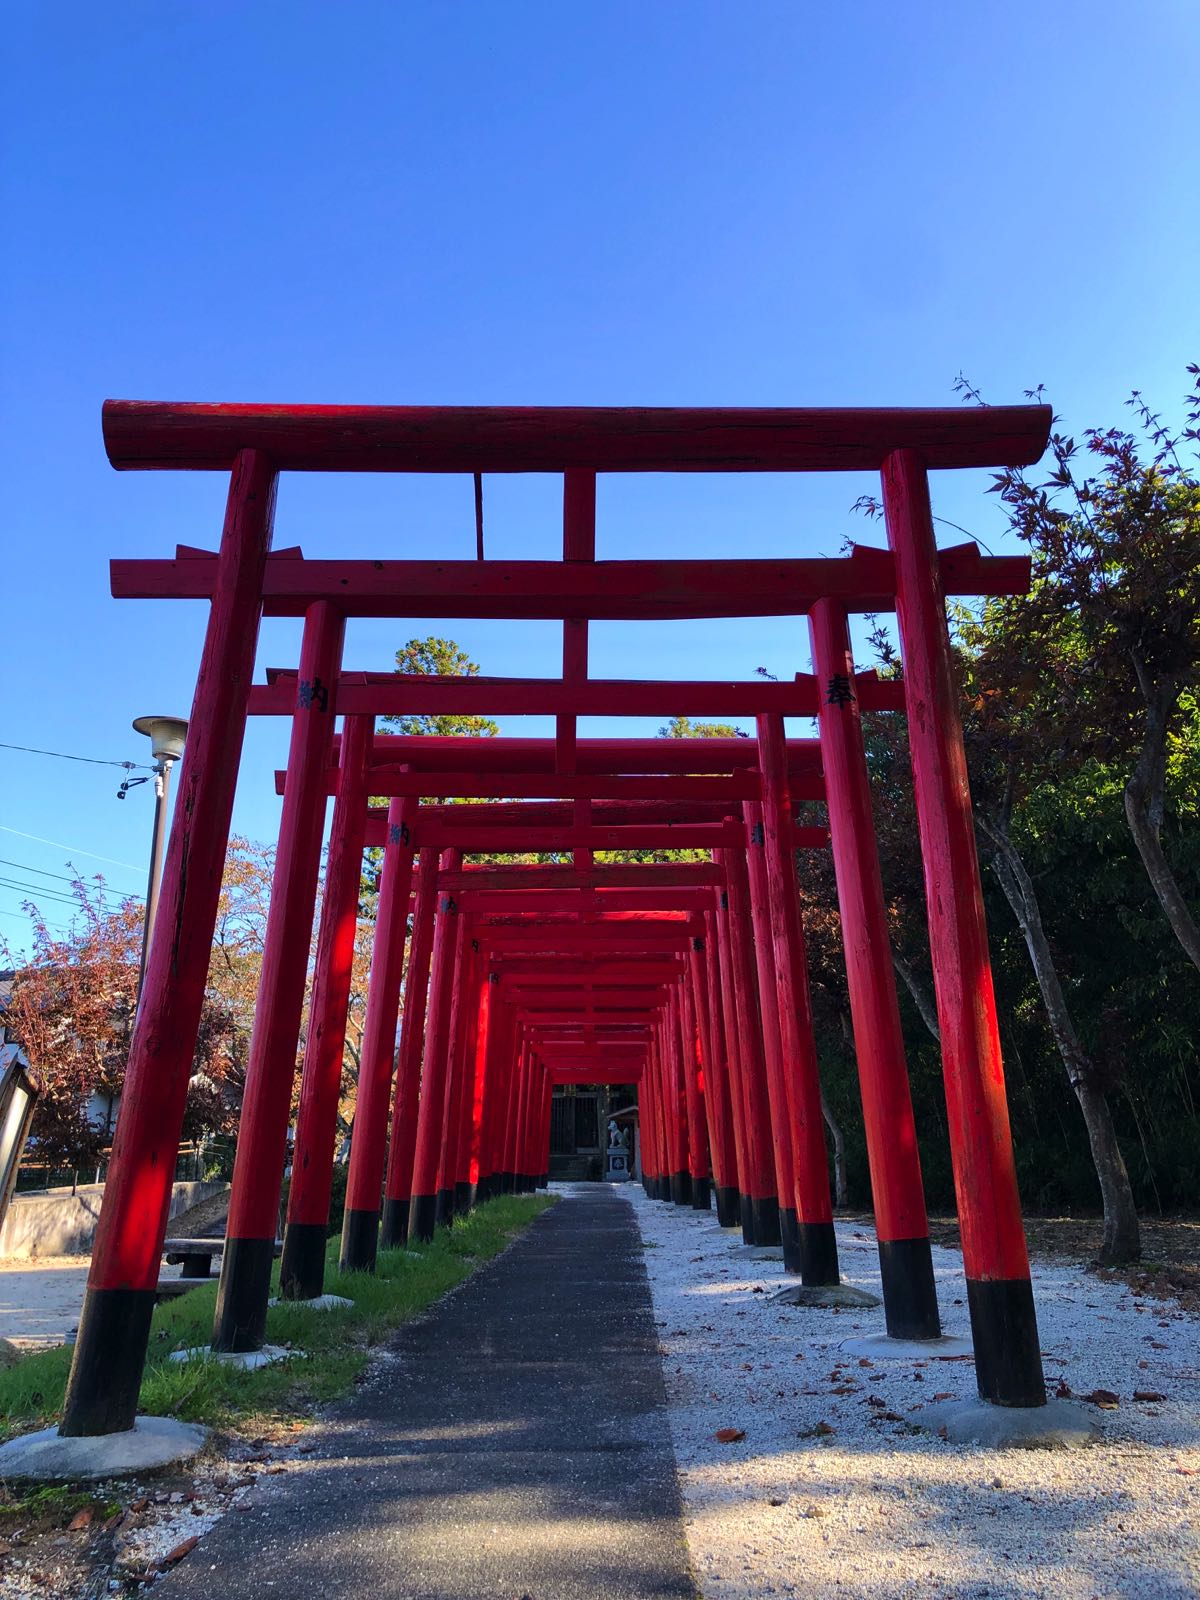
(687, 978)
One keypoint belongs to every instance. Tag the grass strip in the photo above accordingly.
(332, 1347)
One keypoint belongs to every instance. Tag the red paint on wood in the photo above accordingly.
(894, 1159)
(133, 1218)
(325, 1041)
(402, 1150)
(368, 1148)
(791, 976)
(271, 1068)
(989, 1207)
(140, 434)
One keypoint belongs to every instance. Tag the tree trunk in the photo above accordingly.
(1144, 813)
(1122, 1240)
(921, 997)
(841, 1191)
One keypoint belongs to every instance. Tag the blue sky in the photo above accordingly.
(608, 203)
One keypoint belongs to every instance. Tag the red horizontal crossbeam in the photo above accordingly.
(645, 591)
(610, 757)
(730, 788)
(502, 840)
(623, 875)
(412, 694)
(538, 904)
(150, 434)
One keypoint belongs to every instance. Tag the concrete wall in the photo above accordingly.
(55, 1222)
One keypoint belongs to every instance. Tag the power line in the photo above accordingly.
(73, 848)
(23, 916)
(63, 755)
(62, 877)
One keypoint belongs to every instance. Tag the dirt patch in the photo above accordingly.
(1169, 1268)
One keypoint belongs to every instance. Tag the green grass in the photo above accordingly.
(335, 1345)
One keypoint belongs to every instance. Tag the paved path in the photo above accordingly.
(517, 1446)
(40, 1300)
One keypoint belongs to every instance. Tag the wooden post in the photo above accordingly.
(241, 1314)
(818, 1244)
(397, 1187)
(431, 1123)
(901, 1224)
(728, 1194)
(114, 1329)
(368, 1148)
(302, 1268)
(779, 1072)
(746, 1168)
(1008, 1363)
(765, 1199)
(699, 1160)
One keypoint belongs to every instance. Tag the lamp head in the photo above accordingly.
(166, 735)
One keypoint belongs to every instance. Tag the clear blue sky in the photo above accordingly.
(611, 203)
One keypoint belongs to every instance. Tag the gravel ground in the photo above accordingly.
(835, 1491)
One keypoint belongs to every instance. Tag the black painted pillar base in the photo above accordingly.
(422, 1217)
(729, 1207)
(360, 1241)
(681, 1188)
(445, 1207)
(1008, 1359)
(302, 1265)
(818, 1255)
(664, 1189)
(701, 1194)
(544, 1181)
(393, 1224)
(106, 1371)
(241, 1319)
(464, 1198)
(910, 1305)
(789, 1238)
(746, 1213)
(766, 1220)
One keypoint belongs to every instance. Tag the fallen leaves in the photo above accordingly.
(729, 1435)
(1148, 1395)
(185, 1547)
(1104, 1398)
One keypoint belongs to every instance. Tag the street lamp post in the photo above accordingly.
(166, 735)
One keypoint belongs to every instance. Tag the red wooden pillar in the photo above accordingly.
(901, 1224)
(460, 1086)
(765, 1196)
(675, 1068)
(302, 1268)
(817, 1242)
(524, 1106)
(542, 1152)
(699, 1161)
(499, 1048)
(431, 1121)
(746, 1163)
(512, 1114)
(249, 1255)
(479, 1060)
(114, 1329)
(397, 1185)
(779, 1067)
(721, 1102)
(716, 1088)
(368, 1147)
(1003, 1320)
(667, 1113)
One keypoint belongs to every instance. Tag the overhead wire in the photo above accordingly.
(65, 755)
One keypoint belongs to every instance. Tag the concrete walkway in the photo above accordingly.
(515, 1448)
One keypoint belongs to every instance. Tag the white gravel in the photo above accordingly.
(875, 1507)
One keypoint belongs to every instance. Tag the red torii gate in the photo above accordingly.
(243, 582)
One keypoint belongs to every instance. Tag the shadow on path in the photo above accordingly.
(517, 1444)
